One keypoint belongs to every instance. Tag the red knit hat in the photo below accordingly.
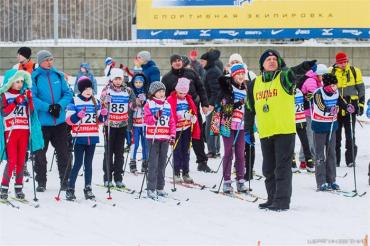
(340, 58)
(193, 53)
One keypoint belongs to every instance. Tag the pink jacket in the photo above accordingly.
(150, 120)
(310, 85)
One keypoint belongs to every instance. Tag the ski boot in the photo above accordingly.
(70, 194)
(4, 192)
(187, 178)
(110, 183)
(88, 193)
(294, 166)
(144, 166)
(323, 187)
(227, 188)
(133, 168)
(240, 186)
(119, 184)
(18, 191)
(334, 186)
(152, 195)
(41, 187)
(162, 193)
(310, 167)
(203, 167)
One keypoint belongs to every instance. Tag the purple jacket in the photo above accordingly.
(310, 85)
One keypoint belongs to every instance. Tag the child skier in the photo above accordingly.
(324, 124)
(139, 128)
(300, 120)
(85, 70)
(17, 110)
(232, 97)
(160, 131)
(185, 113)
(117, 96)
(84, 115)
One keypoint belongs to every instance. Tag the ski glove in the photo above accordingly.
(360, 110)
(82, 113)
(350, 108)
(334, 110)
(54, 110)
(194, 119)
(20, 99)
(172, 141)
(247, 138)
(104, 111)
(187, 115)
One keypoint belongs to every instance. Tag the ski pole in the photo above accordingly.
(57, 198)
(32, 159)
(108, 159)
(8, 138)
(250, 166)
(173, 171)
(353, 152)
(150, 151)
(52, 161)
(124, 167)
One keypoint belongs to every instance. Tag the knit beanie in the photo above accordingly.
(266, 54)
(145, 55)
(156, 86)
(321, 69)
(341, 57)
(236, 57)
(182, 85)
(174, 58)
(116, 73)
(84, 82)
(237, 69)
(43, 55)
(25, 52)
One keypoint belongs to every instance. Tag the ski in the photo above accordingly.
(9, 203)
(103, 202)
(27, 202)
(248, 193)
(80, 201)
(123, 189)
(345, 193)
(236, 196)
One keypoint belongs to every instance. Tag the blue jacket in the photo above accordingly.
(49, 87)
(151, 72)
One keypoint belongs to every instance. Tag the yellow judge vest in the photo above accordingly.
(280, 116)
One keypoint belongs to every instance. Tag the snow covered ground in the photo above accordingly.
(205, 219)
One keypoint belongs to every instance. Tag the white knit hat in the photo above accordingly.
(236, 57)
(116, 73)
(321, 69)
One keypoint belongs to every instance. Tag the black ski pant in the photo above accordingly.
(249, 159)
(302, 134)
(198, 144)
(277, 153)
(116, 142)
(58, 136)
(344, 122)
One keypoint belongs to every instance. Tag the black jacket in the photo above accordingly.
(211, 76)
(196, 89)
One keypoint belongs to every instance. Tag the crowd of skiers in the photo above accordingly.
(157, 112)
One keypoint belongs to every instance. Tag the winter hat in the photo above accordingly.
(182, 85)
(236, 57)
(268, 53)
(236, 69)
(341, 57)
(321, 69)
(116, 73)
(205, 56)
(145, 55)
(139, 77)
(193, 53)
(85, 65)
(175, 57)
(185, 60)
(25, 52)
(43, 55)
(13, 75)
(156, 86)
(83, 82)
(108, 61)
(329, 79)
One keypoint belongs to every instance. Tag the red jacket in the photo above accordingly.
(172, 100)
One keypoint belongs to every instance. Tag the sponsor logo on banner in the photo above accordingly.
(180, 33)
(154, 33)
(302, 32)
(274, 32)
(354, 32)
(327, 32)
(232, 33)
(241, 2)
(205, 33)
(253, 33)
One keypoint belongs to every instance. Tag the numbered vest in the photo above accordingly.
(238, 113)
(88, 126)
(119, 106)
(162, 129)
(329, 101)
(138, 117)
(181, 108)
(18, 118)
(300, 116)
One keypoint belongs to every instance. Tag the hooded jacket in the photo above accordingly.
(211, 76)
(88, 74)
